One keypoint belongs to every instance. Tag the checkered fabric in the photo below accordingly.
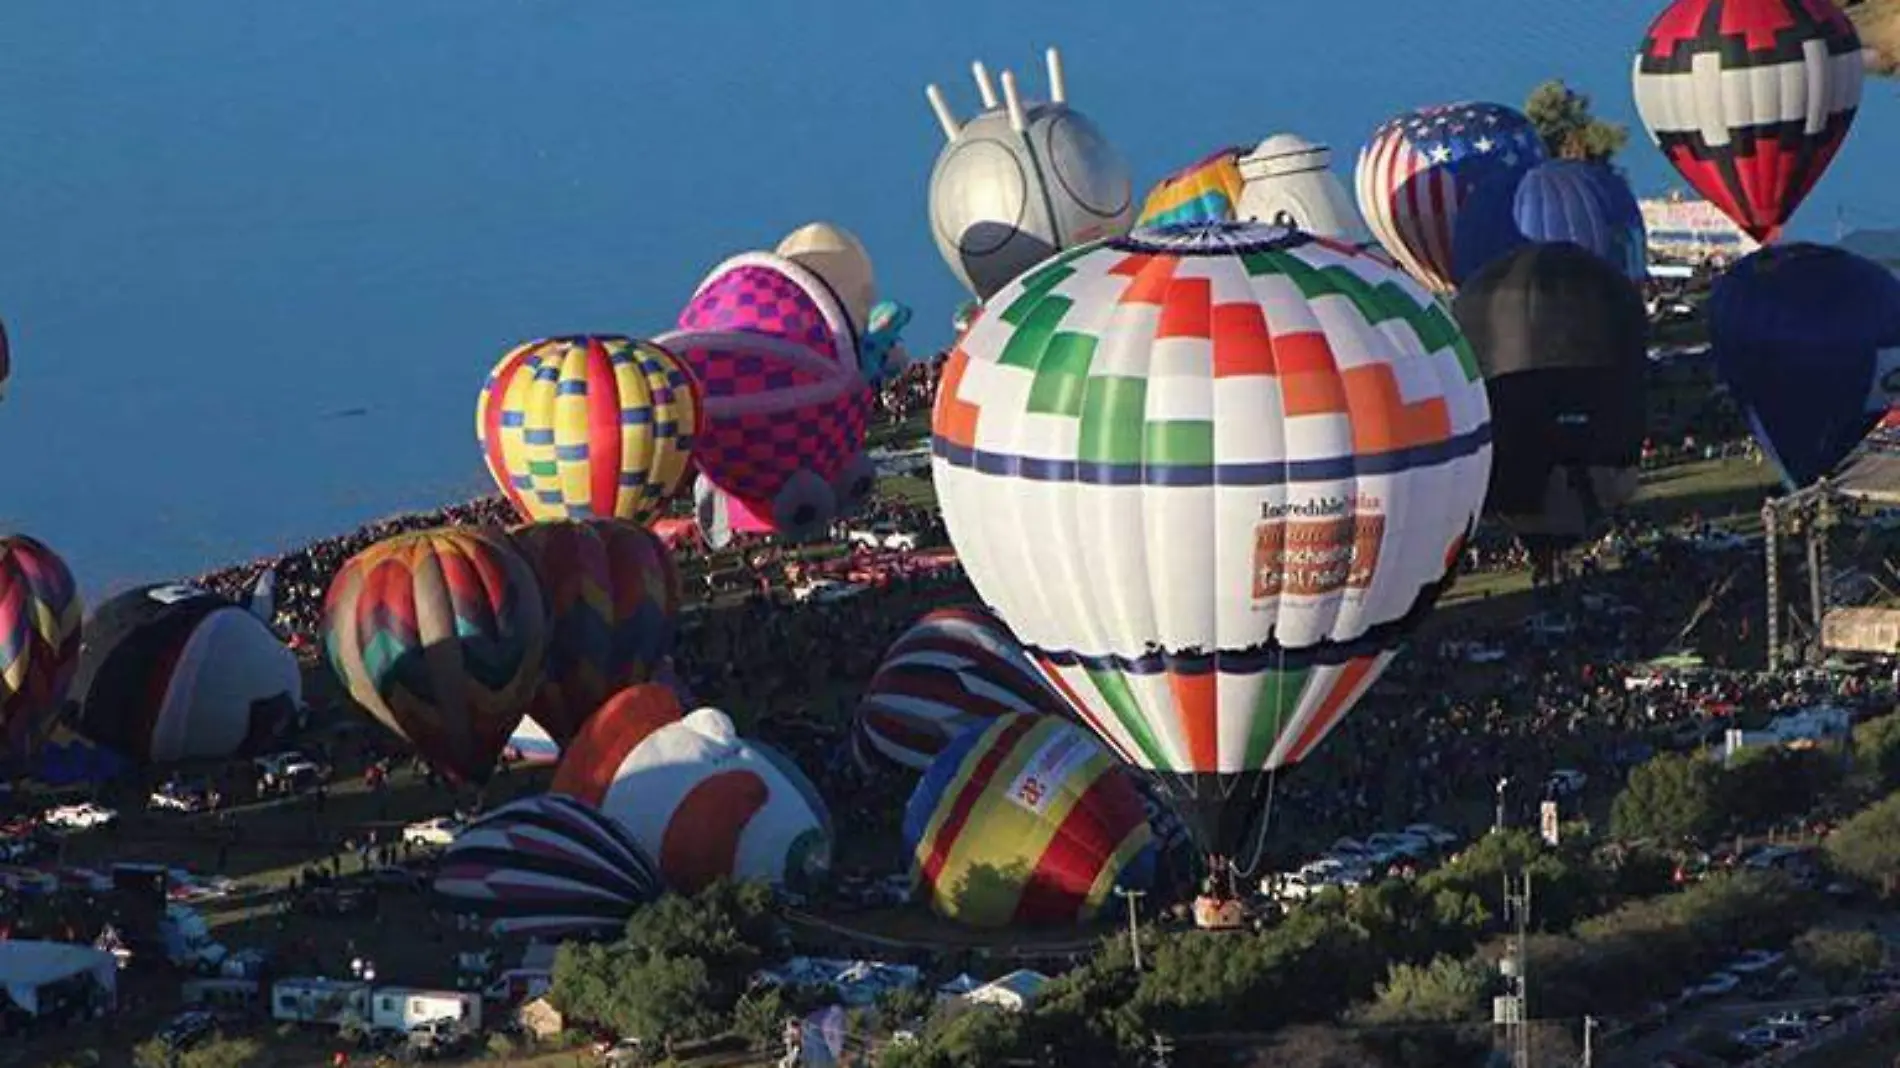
(759, 300)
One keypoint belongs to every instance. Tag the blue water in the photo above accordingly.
(225, 225)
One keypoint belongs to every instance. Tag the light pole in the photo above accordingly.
(1134, 922)
(1504, 784)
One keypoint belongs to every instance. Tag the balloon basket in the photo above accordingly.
(1218, 913)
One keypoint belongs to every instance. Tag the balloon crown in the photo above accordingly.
(1212, 237)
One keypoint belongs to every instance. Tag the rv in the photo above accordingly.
(188, 941)
(320, 1001)
(401, 1008)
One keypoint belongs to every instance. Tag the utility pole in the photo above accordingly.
(1589, 1041)
(1504, 785)
(1512, 1009)
(1163, 1050)
(1134, 921)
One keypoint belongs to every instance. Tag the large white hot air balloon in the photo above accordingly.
(1211, 475)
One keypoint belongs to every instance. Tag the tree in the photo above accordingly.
(1672, 798)
(1768, 785)
(978, 1038)
(1877, 754)
(1879, 24)
(1448, 990)
(218, 1052)
(1868, 846)
(1314, 1046)
(904, 1008)
(1562, 118)
(1840, 959)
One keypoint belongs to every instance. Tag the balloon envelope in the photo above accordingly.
(588, 427)
(612, 594)
(1750, 100)
(1205, 191)
(1026, 821)
(440, 634)
(1211, 476)
(1585, 204)
(1562, 338)
(40, 613)
(171, 673)
(1418, 170)
(1807, 338)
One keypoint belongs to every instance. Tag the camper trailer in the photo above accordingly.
(401, 1008)
(332, 1002)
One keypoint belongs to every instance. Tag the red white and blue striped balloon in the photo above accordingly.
(1418, 169)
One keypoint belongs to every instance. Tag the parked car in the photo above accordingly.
(1565, 782)
(187, 1029)
(182, 795)
(825, 591)
(1720, 984)
(883, 536)
(1388, 846)
(1433, 833)
(80, 817)
(439, 831)
(1754, 961)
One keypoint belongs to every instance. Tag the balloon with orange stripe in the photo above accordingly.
(1026, 821)
(703, 801)
(1211, 476)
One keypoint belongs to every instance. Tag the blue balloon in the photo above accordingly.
(1807, 338)
(1586, 204)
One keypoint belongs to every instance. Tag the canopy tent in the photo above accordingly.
(1871, 472)
(26, 968)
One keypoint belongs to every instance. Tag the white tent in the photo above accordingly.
(28, 967)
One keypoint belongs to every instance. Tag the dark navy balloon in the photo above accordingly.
(1586, 204)
(1807, 337)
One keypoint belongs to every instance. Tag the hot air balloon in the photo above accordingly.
(954, 669)
(1204, 191)
(1288, 181)
(1586, 204)
(595, 427)
(40, 610)
(1807, 339)
(1750, 100)
(1562, 338)
(440, 634)
(702, 801)
(1211, 476)
(169, 673)
(777, 360)
(1418, 170)
(546, 867)
(1021, 182)
(1026, 821)
(612, 592)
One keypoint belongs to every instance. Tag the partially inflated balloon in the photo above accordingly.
(1206, 191)
(1026, 821)
(440, 634)
(40, 613)
(1807, 339)
(1586, 204)
(1211, 476)
(1562, 338)
(588, 427)
(1750, 100)
(1418, 170)
(612, 593)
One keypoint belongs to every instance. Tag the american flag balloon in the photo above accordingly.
(1750, 100)
(1418, 169)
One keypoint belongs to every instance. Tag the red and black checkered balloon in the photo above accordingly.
(1750, 100)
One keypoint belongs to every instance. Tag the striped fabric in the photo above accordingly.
(546, 866)
(1026, 821)
(1417, 170)
(1206, 191)
(1750, 100)
(588, 427)
(440, 634)
(40, 614)
(1211, 476)
(954, 669)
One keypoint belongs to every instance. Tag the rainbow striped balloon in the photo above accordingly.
(591, 427)
(1026, 821)
(612, 593)
(440, 634)
(1206, 191)
(40, 615)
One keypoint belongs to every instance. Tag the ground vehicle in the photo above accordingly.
(1565, 782)
(79, 817)
(320, 1001)
(439, 831)
(188, 941)
(621, 1054)
(883, 536)
(181, 795)
(825, 591)
(1389, 846)
(187, 1029)
(1431, 832)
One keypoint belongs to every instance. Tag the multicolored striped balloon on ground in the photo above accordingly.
(440, 634)
(704, 802)
(1207, 191)
(1026, 821)
(591, 427)
(1211, 476)
(954, 669)
(612, 592)
(547, 867)
(40, 614)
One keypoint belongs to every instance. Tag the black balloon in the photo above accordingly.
(1561, 337)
